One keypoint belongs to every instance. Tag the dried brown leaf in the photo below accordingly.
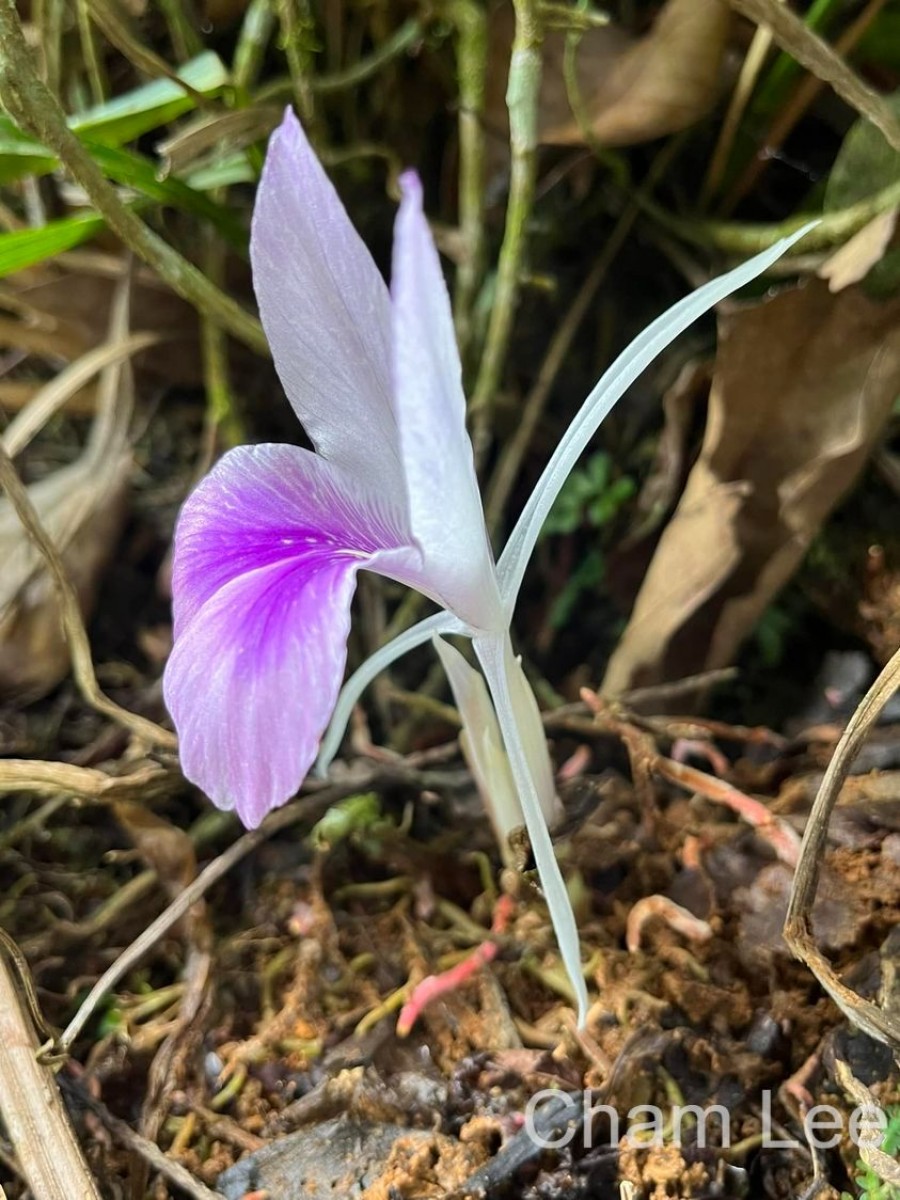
(631, 89)
(66, 313)
(855, 259)
(164, 847)
(803, 385)
(83, 508)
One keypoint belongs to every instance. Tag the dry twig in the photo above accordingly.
(798, 923)
(82, 663)
(817, 56)
(33, 1114)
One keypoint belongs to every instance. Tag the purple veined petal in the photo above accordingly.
(252, 680)
(264, 504)
(609, 389)
(266, 555)
(446, 515)
(325, 309)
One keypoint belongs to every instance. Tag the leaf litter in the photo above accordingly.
(267, 1024)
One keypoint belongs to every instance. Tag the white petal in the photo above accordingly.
(326, 311)
(446, 516)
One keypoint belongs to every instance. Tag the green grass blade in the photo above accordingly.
(127, 117)
(139, 173)
(26, 247)
(116, 121)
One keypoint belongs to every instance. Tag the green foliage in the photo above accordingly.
(772, 634)
(776, 86)
(870, 1185)
(865, 165)
(104, 129)
(587, 575)
(880, 44)
(356, 814)
(25, 247)
(591, 496)
(117, 121)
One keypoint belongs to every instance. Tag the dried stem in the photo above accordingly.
(877, 1022)
(30, 103)
(55, 394)
(820, 59)
(522, 101)
(740, 97)
(82, 663)
(35, 1120)
(799, 102)
(38, 775)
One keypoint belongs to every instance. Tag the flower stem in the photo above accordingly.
(495, 654)
(297, 32)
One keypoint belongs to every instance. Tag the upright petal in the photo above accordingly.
(325, 309)
(446, 516)
(266, 555)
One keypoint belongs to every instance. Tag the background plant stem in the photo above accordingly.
(522, 101)
(471, 57)
(30, 103)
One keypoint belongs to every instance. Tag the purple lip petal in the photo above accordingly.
(266, 554)
(263, 504)
(324, 307)
(253, 679)
(431, 416)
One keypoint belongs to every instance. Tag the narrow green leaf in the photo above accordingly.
(234, 169)
(19, 155)
(116, 121)
(26, 247)
(139, 173)
(154, 104)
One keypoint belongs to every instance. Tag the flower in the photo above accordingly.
(268, 546)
